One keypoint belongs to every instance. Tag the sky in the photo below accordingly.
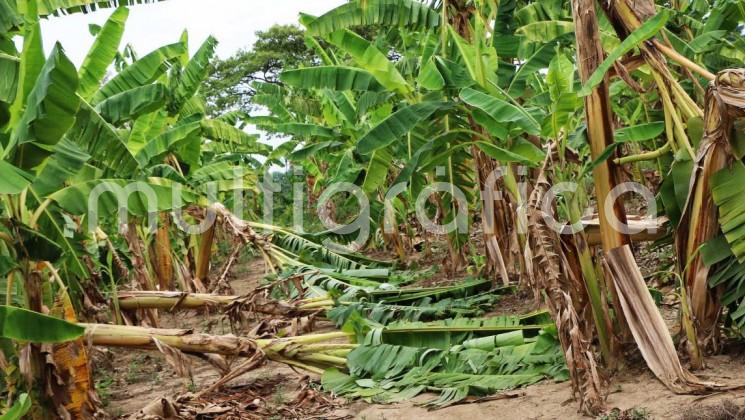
(232, 22)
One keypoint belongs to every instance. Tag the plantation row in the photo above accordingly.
(501, 100)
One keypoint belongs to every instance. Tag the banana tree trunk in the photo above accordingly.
(699, 222)
(313, 352)
(203, 258)
(497, 237)
(649, 329)
(139, 268)
(567, 300)
(599, 121)
(600, 135)
(164, 262)
(172, 301)
(498, 216)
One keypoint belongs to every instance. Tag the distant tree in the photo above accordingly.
(228, 86)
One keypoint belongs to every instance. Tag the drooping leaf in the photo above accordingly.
(313, 149)
(166, 142)
(51, 105)
(305, 130)
(641, 132)
(14, 180)
(100, 140)
(430, 77)
(396, 125)
(727, 190)
(106, 197)
(454, 74)
(370, 58)
(10, 20)
(131, 104)
(545, 31)
(10, 69)
(376, 170)
(539, 60)
(24, 325)
(503, 155)
(331, 77)
(500, 110)
(68, 158)
(220, 131)
(145, 128)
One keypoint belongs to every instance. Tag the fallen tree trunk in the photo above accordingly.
(311, 352)
(646, 229)
(258, 303)
(181, 339)
(171, 300)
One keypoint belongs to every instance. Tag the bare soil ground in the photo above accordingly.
(128, 380)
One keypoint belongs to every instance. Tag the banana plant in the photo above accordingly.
(64, 132)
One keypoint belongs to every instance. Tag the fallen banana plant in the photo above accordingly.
(310, 352)
(459, 357)
(173, 301)
(470, 298)
(382, 372)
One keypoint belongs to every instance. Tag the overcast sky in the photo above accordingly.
(232, 22)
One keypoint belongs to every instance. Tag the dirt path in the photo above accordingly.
(130, 379)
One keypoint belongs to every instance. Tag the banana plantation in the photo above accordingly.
(391, 209)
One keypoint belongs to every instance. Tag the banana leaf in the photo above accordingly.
(24, 325)
(402, 13)
(387, 373)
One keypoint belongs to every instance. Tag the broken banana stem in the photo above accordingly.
(180, 300)
(305, 350)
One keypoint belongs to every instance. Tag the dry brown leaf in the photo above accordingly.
(178, 360)
(648, 327)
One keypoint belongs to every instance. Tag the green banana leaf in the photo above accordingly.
(22, 405)
(331, 77)
(14, 180)
(131, 104)
(193, 75)
(371, 59)
(396, 125)
(640, 132)
(58, 7)
(51, 105)
(727, 191)
(144, 71)
(10, 20)
(500, 110)
(647, 30)
(24, 325)
(402, 13)
(102, 53)
(100, 140)
(114, 196)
